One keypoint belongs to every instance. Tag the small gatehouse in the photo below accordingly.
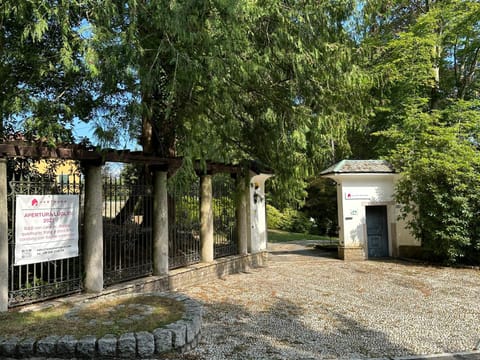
(368, 216)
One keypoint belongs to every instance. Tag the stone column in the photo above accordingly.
(250, 225)
(160, 224)
(258, 219)
(206, 218)
(242, 214)
(3, 236)
(93, 230)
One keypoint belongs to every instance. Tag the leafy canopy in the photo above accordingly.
(427, 117)
(43, 74)
(231, 81)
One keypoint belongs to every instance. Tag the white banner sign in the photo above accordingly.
(46, 228)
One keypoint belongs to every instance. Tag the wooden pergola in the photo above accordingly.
(82, 153)
(92, 160)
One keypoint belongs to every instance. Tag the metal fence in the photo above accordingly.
(224, 216)
(43, 280)
(184, 223)
(127, 230)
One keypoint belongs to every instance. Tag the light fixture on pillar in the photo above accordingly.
(257, 196)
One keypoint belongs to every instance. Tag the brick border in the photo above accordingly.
(180, 336)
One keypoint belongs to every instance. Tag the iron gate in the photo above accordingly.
(127, 230)
(224, 216)
(40, 281)
(184, 223)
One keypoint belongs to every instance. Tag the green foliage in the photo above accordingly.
(288, 220)
(321, 205)
(231, 81)
(426, 119)
(42, 70)
(440, 181)
(220, 80)
(275, 219)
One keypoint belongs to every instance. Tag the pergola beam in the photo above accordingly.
(90, 155)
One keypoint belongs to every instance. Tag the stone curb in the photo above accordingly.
(180, 336)
(474, 354)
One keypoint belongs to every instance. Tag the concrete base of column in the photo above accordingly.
(351, 253)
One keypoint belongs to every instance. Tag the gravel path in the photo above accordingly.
(307, 305)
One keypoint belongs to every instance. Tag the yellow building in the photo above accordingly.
(66, 172)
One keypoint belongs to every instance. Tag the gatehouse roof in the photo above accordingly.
(360, 167)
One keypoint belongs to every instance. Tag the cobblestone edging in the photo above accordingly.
(180, 336)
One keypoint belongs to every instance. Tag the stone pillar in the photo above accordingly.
(3, 236)
(242, 214)
(160, 224)
(254, 202)
(93, 230)
(250, 222)
(258, 219)
(206, 218)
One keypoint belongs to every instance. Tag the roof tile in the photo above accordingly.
(359, 166)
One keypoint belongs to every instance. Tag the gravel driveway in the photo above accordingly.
(308, 305)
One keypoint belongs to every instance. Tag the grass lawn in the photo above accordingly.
(98, 318)
(277, 236)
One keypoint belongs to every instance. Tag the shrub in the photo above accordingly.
(300, 223)
(288, 220)
(438, 158)
(275, 219)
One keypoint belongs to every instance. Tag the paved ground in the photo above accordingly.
(308, 305)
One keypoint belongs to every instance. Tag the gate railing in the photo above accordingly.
(40, 281)
(127, 234)
(224, 216)
(126, 218)
(184, 224)
(127, 230)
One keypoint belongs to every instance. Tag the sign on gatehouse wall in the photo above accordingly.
(46, 228)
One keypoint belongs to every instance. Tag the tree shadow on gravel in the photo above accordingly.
(232, 332)
(306, 252)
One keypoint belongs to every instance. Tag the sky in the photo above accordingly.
(81, 130)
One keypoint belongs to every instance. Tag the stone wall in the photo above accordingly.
(192, 275)
(203, 272)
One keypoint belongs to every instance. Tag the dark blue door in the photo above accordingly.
(377, 231)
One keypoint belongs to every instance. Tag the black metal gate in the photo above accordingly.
(184, 223)
(127, 230)
(224, 217)
(43, 280)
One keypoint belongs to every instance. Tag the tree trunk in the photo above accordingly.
(133, 202)
(158, 130)
(435, 91)
(437, 54)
